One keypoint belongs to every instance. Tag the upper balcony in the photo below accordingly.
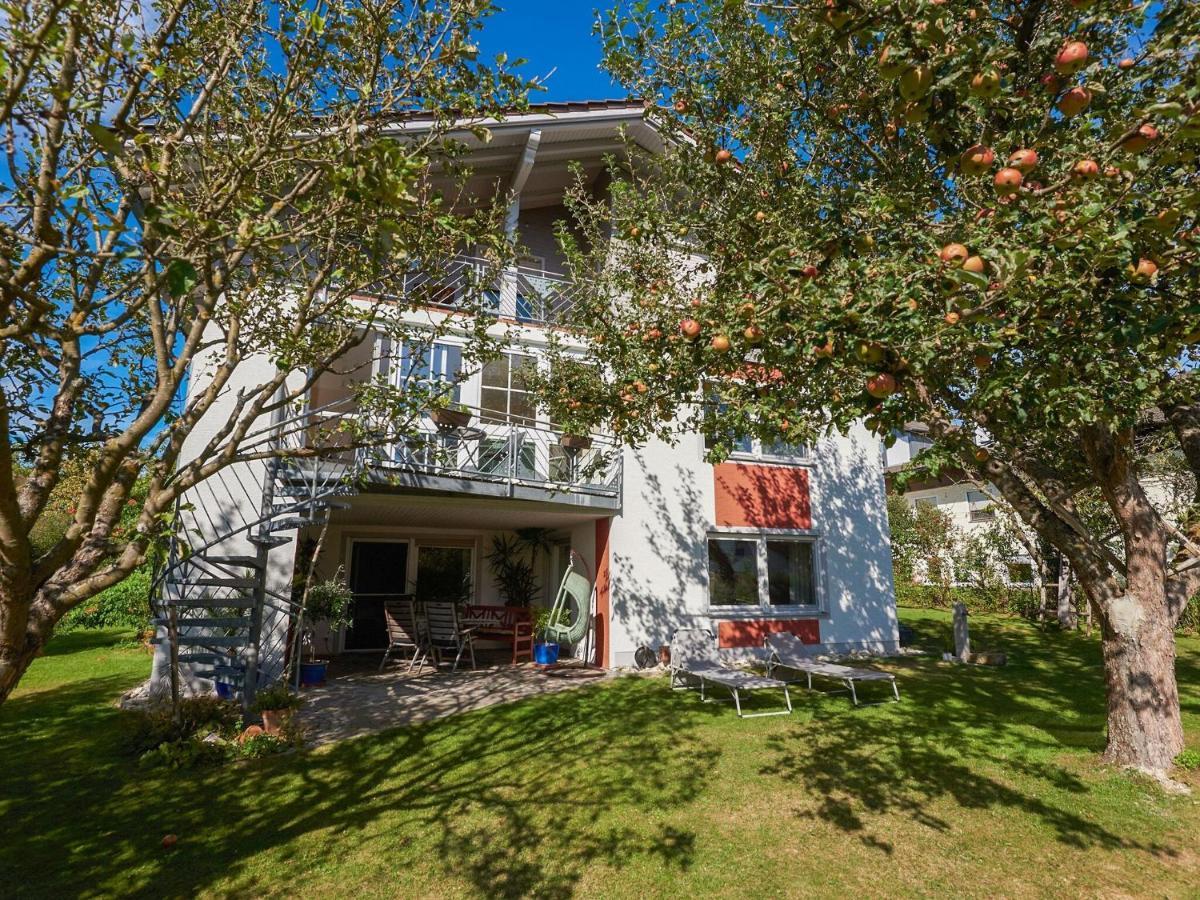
(471, 451)
(517, 293)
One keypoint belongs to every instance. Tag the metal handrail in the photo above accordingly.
(480, 286)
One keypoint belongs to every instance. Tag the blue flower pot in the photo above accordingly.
(545, 654)
(313, 673)
(224, 691)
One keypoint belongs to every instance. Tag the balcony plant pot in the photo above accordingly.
(545, 654)
(450, 418)
(313, 672)
(225, 691)
(575, 442)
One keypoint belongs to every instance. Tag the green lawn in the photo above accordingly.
(982, 782)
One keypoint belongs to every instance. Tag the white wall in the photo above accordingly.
(659, 546)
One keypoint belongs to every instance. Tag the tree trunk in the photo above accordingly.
(1144, 725)
(1066, 610)
(15, 659)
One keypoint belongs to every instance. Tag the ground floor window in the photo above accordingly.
(444, 573)
(762, 571)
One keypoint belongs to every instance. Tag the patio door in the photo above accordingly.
(378, 572)
(444, 573)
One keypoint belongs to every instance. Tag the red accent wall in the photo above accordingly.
(762, 496)
(603, 586)
(752, 632)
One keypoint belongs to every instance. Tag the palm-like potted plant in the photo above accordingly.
(329, 603)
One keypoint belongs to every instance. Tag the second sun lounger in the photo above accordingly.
(694, 655)
(788, 652)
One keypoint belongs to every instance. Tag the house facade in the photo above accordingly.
(791, 538)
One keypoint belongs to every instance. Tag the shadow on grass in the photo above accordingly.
(964, 737)
(518, 800)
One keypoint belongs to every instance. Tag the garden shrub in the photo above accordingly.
(124, 605)
(1188, 759)
(198, 717)
(1004, 599)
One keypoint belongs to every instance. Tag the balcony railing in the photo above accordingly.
(518, 293)
(501, 457)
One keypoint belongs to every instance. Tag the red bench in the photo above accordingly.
(511, 624)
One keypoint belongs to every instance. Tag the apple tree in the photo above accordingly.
(981, 216)
(202, 180)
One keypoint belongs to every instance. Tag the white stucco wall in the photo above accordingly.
(659, 546)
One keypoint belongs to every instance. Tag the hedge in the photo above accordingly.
(124, 605)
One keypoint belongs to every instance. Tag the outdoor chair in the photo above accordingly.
(403, 631)
(444, 633)
(788, 652)
(694, 655)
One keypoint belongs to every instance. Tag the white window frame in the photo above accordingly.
(765, 609)
(980, 510)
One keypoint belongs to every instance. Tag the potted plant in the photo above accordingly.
(450, 415)
(275, 704)
(327, 602)
(545, 653)
(577, 442)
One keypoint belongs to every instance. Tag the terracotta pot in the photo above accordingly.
(664, 655)
(450, 418)
(575, 442)
(273, 720)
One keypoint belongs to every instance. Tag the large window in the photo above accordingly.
(746, 446)
(504, 396)
(761, 572)
(428, 364)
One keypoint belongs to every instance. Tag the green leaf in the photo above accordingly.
(181, 277)
(106, 138)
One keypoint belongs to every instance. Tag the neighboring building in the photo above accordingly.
(970, 506)
(775, 538)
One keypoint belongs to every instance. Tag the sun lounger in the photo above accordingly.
(788, 652)
(694, 655)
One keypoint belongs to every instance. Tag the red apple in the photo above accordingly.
(1071, 58)
(976, 160)
(1144, 271)
(952, 318)
(974, 264)
(1146, 135)
(982, 455)
(1086, 169)
(881, 386)
(169, 841)
(721, 343)
(1007, 182)
(824, 350)
(1126, 64)
(754, 334)
(1050, 82)
(723, 156)
(690, 329)
(809, 272)
(954, 254)
(681, 106)
(1074, 101)
(1023, 160)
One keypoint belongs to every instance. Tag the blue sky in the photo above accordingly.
(550, 34)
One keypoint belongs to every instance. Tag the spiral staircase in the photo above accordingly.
(215, 615)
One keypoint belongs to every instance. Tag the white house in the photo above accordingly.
(775, 538)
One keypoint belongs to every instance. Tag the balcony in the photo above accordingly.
(518, 459)
(517, 293)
